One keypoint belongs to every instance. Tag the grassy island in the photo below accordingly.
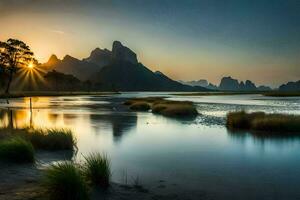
(260, 121)
(159, 105)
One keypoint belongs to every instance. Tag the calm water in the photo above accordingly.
(192, 156)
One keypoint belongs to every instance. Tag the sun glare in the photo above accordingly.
(30, 66)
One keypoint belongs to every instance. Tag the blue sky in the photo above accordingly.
(191, 39)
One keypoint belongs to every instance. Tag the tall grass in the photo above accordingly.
(43, 138)
(17, 150)
(97, 169)
(263, 122)
(175, 110)
(64, 181)
(158, 105)
(140, 106)
(52, 139)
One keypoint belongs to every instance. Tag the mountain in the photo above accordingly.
(117, 69)
(53, 60)
(122, 53)
(202, 83)
(123, 75)
(290, 86)
(212, 87)
(100, 57)
(70, 65)
(264, 88)
(229, 84)
(248, 86)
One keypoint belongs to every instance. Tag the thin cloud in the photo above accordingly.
(58, 32)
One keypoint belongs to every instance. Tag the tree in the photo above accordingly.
(14, 54)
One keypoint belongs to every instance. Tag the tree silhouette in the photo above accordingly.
(14, 54)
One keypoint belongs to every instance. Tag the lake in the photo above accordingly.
(198, 157)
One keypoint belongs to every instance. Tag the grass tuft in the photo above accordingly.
(159, 105)
(260, 121)
(65, 181)
(52, 139)
(97, 169)
(175, 110)
(16, 150)
(140, 106)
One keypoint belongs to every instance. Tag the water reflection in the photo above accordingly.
(262, 141)
(191, 155)
(120, 123)
(117, 123)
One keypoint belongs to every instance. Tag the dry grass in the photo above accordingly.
(46, 139)
(52, 139)
(159, 105)
(260, 121)
(140, 106)
(282, 94)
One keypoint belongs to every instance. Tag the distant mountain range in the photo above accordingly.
(228, 84)
(202, 82)
(290, 86)
(118, 69)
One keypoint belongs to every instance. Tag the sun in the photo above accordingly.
(30, 65)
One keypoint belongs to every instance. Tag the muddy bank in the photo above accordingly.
(23, 182)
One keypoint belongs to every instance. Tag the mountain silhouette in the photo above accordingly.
(202, 83)
(290, 86)
(70, 65)
(118, 69)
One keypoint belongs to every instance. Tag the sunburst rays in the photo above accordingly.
(30, 77)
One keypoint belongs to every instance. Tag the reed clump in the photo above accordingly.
(140, 106)
(43, 138)
(52, 139)
(260, 121)
(169, 108)
(65, 181)
(97, 169)
(16, 149)
(69, 180)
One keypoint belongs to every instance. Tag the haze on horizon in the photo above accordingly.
(188, 40)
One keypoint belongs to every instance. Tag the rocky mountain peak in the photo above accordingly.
(53, 60)
(100, 57)
(120, 52)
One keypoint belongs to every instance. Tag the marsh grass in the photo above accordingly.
(260, 121)
(159, 105)
(140, 106)
(16, 149)
(97, 169)
(177, 109)
(282, 94)
(44, 139)
(65, 181)
(52, 139)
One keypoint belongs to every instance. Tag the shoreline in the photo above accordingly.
(54, 94)
(24, 182)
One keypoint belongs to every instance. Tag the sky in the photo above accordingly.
(185, 39)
